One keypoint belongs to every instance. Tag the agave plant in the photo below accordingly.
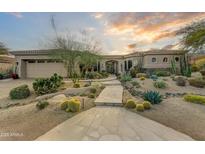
(152, 96)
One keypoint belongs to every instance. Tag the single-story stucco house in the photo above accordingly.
(38, 63)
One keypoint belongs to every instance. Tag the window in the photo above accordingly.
(95, 68)
(31, 61)
(98, 66)
(58, 61)
(165, 59)
(129, 64)
(125, 66)
(154, 59)
(176, 59)
(41, 61)
(51, 61)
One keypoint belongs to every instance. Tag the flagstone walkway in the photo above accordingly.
(108, 123)
(111, 95)
(111, 123)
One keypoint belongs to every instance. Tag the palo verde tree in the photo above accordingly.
(74, 48)
(193, 36)
(90, 55)
(3, 49)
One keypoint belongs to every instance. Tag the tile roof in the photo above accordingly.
(150, 52)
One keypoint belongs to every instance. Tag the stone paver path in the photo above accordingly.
(111, 123)
(111, 95)
(111, 83)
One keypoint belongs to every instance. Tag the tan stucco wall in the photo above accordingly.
(147, 61)
(47, 69)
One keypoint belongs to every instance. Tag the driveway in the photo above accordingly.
(8, 84)
(111, 123)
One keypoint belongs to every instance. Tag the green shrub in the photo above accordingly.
(56, 79)
(41, 105)
(139, 75)
(102, 87)
(130, 104)
(1, 75)
(135, 84)
(91, 95)
(125, 78)
(133, 72)
(20, 92)
(186, 71)
(93, 75)
(87, 85)
(75, 78)
(104, 74)
(197, 82)
(160, 84)
(140, 107)
(195, 98)
(76, 85)
(202, 72)
(181, 81)
(83, 94)
(162, 73)
(152, 96)
(64, 105)
(142, 78)
(93, 90)
(194, 68)
(154, 77)
(147, 105)
(47, 85)
(119, 76)
(73, 105)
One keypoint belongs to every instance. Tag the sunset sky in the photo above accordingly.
(119, 33)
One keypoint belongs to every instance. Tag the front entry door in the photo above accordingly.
(111, 67)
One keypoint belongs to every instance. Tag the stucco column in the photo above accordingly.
(122, 67)
(102, 65)
(22, 68)
(18, 70)
(119, 67)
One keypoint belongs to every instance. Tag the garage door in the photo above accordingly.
(42, 69)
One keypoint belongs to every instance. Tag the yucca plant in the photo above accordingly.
(153, 97)
(125, 78)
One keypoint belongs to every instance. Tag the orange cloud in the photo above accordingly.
(164, 35)
(149, 27)
(131, 46)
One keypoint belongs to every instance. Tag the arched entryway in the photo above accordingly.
(112, 66)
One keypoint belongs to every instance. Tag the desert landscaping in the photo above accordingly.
(71, 90)
(40, 113)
